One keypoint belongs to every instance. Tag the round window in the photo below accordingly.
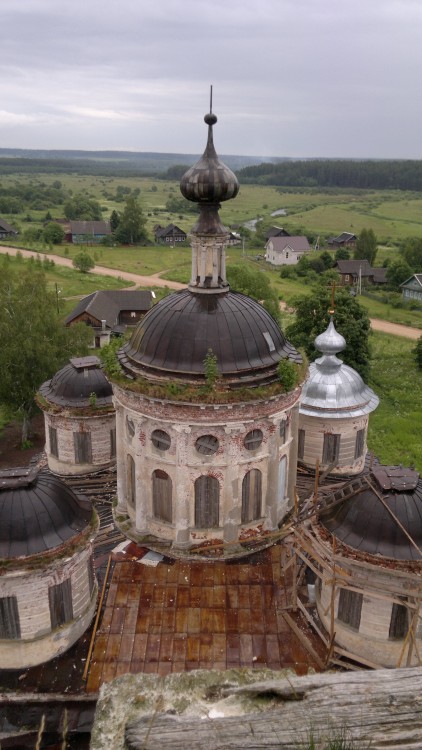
(161, 440)
(253, 440)
(207, 445)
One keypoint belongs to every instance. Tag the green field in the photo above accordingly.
(392, 214)
(395, 434)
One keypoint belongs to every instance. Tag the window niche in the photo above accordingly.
(162, 496)
(251, 496)
(60, 601)
(9, 618)
(350, 608)
(207, 502)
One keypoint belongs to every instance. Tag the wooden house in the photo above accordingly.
(276, 232)
(169, 235)
(6, 230)
(89, 232)
(110, 312)
(412, 288)
(345, 239)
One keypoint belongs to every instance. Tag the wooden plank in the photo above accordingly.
(304, 641)
(313, 624)
(375, 709)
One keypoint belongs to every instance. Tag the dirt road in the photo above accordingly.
(378, 325)
(153, 280)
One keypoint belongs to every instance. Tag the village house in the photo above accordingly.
(276, 232)
(110, 312)
(353, 271)
(345, 239)
(87, 232)
(412, 287)
(286, 251)
(6, 230)
(169, 235)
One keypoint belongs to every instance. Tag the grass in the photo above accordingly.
(394, 427)
(392, 214)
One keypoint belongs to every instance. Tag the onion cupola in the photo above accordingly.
(334, 410)
(174, 338)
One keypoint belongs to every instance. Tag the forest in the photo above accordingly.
(337, 173)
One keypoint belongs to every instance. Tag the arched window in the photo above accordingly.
(131, 481)
(161, 496)
(207, 502)
(251, 495)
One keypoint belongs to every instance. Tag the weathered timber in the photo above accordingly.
(380, 710)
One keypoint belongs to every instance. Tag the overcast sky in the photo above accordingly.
(291, 77)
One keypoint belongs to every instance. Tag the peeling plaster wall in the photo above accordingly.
(98, 426)
(316, 427)
(372, 640)
(38, 642)
(138, 416)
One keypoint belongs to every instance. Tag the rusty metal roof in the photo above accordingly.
(175, 336)
(38, 516)
(367, 524)
(74, 384)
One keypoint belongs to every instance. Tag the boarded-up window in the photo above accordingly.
(207, 445)
(161, 440)
(113, 443)
(331, 448)
(350, 608)
(131, 481)
(60, 601)
(161, 496)
(399, 623)
(207, 502)
(283, 430)
(253, 440)
(301, 443)
(251, 496)
(9, 617)
(52, 434)
(83, 450)
(360, 443)
(91, 574)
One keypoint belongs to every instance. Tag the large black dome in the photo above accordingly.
(38, 513)
(381, 516)
(174, 338)
(74, 384)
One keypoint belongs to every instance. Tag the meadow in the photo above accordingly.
(392, 214)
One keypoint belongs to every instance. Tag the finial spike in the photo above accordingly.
(333, 290)
(211, 99)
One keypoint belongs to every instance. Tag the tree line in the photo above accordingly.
(337, 173)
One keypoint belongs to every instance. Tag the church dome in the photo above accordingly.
(209, 180)
(381, 515)
(38, 513)
(334, 389)
(174, 338)
(75, 383)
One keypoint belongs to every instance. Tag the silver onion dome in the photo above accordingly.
(334, 389)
